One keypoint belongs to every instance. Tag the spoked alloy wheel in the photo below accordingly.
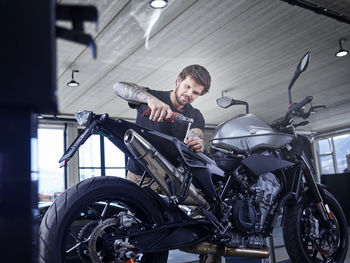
(89, 222)
(309, 239)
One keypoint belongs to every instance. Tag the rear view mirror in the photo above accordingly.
(304, 62)
(224, 102)
(302, 66)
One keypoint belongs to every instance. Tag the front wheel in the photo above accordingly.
(309, 239)
(89, 222)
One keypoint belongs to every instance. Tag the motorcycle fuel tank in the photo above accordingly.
(247, 133)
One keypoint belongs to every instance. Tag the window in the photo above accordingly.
(98, 156)
(114, 160)
(50, 150)
(342, 149)
(332, 154)
(90, 158)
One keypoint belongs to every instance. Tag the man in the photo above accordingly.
(192, 82)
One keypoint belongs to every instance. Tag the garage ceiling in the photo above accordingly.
(250, 47)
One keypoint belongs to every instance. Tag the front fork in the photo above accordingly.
(316, 195)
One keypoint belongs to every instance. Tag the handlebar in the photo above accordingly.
(297, 106)
(295, 109)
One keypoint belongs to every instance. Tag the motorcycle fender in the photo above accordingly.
(260, 164)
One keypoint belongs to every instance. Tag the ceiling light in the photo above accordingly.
(341, 52)
(73, 83)
(158, 4)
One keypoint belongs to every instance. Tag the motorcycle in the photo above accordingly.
(227, 203)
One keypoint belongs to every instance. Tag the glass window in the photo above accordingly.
(50, 150)
(90, 152)
(85, 173)
(90, 158)
(341, 148)
(327, 166)
(116, 172)
(91, 162)
(333, 152)
(325, 146)
(113, 156)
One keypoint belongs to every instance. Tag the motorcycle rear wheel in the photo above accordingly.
(306, 236)
(75, 218)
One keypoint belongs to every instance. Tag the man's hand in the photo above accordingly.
(195, 140)
(159, 109)
(135, 93)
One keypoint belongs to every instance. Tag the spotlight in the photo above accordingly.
(158, 4)
(73, 83)
(341, 52)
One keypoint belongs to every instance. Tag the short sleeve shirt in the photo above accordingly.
(175, 129)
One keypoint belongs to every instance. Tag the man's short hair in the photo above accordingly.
(199, 74)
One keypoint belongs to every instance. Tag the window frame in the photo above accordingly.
(329, 136)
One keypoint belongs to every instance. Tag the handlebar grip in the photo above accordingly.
(299, 105)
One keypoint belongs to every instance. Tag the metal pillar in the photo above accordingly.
(28, 84)
(17, 203)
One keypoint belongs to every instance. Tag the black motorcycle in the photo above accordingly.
(226, 204)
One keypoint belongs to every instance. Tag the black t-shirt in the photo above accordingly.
(175, 129)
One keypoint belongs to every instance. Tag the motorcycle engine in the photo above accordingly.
(249, 214)
(266, 190)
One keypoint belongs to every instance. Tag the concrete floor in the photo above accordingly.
(176, 256)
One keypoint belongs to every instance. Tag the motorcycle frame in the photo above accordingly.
(190, 231)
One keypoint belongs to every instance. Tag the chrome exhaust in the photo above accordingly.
(160, 168)
(209, 248)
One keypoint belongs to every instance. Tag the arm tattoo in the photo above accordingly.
(195, 132)
(132, 92)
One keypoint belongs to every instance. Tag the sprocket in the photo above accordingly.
(83, 235)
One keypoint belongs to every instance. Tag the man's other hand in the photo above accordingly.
(195, 140)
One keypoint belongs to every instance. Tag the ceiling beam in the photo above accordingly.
(320, 10)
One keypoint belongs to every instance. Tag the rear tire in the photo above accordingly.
(303, 220)
(77, 211)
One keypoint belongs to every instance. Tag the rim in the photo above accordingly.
(320, 241)
(97, 231)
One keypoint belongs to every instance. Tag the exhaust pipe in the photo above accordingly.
(160, 168)
(209, 248)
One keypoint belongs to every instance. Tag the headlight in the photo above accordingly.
(83, 117)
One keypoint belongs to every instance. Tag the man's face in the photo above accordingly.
(187, 90)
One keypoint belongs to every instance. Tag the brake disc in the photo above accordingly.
(96, 242)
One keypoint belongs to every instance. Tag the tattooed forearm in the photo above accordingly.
(131, 92)
(195, 133)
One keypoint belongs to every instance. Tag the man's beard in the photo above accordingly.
(178, 98)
